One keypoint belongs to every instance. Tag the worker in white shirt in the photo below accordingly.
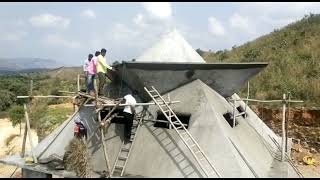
(128, 113)
(85, 67)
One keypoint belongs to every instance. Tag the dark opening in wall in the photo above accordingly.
(229, 117)
(241, 110)
(117, 120)
(184, 118)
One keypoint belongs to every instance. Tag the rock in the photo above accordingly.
(313, 151)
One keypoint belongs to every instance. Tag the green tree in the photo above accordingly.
(16, 114)
(6, 99)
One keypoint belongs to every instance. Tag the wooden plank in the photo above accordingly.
(29, 132)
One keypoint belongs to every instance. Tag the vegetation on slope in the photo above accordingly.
(293, 54)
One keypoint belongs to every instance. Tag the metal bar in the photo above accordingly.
(29, 132)
(245, 160)
(164, 121)
(289, 160)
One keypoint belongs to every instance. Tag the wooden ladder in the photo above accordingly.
(121, 161)
(184, 134)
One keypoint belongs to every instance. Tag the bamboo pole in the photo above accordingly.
(248, 91)
(29, 132)
(104, 146)
(78, 82)
(283, 128)
(24, 140)
(137, 104)
(48, 96)
(266, 101)
(234, 114)
(287, 122)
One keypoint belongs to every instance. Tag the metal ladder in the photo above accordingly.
(186, 137)
(121, 161)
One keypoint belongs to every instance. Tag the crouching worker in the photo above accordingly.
(80, 130)
(128, 113)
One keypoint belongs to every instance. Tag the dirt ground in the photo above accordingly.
(308, 171)
(14, 147)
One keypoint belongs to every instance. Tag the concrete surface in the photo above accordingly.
(226, 79)
(159, 152)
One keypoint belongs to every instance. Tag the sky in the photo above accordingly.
(68, 32)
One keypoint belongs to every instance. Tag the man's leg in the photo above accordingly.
(102, 81)
(128, 125)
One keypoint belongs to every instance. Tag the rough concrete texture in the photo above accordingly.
(159, 152)
(172, 47)
(212, 132)
(226, 79)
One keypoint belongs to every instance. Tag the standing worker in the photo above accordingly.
(128, 113)
(92, 70)
(85, 67)
(102, 67)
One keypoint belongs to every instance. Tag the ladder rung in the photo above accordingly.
(197, 152)
(118, 167)
(181, 127)
(155, 96)
(122, 158)
(193, 145)
(125, 149)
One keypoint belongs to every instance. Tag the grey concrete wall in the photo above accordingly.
(26, 173)
(226, 79)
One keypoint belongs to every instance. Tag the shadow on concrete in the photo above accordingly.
(156, 132)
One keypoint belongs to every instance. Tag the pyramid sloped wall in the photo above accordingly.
(156, 160)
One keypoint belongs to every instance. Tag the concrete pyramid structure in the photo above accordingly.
(242, 151)
(171, 48)
(245, 150)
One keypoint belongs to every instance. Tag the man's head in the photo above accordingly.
(97, 53)
(90, 56)
(103, 52)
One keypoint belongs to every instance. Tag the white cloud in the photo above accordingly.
(215, 27)
(13, 36)
(241, 22)
(49, 20)
(56, 40)
(160, 10)
(88, 13)
(139, 20)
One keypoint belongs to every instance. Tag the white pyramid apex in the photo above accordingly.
(172, 47)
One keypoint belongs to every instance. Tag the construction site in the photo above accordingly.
(190, 122)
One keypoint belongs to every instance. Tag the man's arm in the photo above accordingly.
(133, 110)
(103, 62)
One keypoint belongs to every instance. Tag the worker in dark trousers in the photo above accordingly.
(128, 113)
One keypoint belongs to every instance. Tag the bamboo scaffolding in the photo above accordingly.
(48, 96)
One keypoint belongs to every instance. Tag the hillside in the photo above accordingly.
(293, 54)
(17, 64)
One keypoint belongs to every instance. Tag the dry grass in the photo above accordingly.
(10, 138)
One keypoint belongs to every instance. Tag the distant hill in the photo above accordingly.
(8, 65)
(293, 54)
